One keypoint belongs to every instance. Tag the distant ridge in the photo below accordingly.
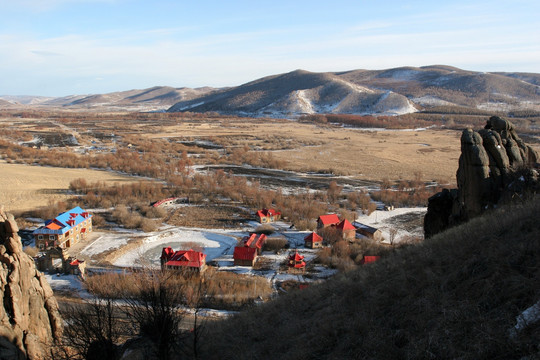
(384, 92)
(155, 98)
(393, 91)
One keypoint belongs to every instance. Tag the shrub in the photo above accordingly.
(148, 225)
(266, 229)
(275, 244)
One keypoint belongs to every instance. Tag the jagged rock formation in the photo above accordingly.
(495, 166)
(29, 317)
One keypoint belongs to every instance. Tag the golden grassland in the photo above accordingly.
(155, 141)
(24, 187)
(369, 155)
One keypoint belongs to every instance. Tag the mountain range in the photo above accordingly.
(384, 92)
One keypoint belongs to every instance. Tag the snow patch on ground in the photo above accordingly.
(213, 242)
(62, 282)
(431, 101)
(304, 102)
(382, 220)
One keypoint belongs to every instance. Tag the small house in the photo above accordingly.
(268, 215)
(324, 221)
(254, 241)
(296, 262)
(189, 260)
(368, 231)
(346, 229)
(313, 241)
(244, 256)
(369, 259)
(77, 267)
(65, 230)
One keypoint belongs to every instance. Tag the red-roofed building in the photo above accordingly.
(183, 260)
(76, 267)
(244, 256)
(313, 241)
(296, 262)
(369, 259)
(327, 220)
(254, 242)
(268, 215)
(347, 230)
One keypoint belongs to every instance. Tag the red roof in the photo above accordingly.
(267, 212)
(244, 253)
(75, 262)
(369, 259)
(253, 241)
(328, 219)
(167, 253)
(248, 240)
(186, 258)
(296, 256)
(260, 241)
(296, 260)
(313, 237)
(345, 225)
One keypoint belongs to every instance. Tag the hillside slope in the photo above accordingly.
(299, 92)
(455, 296)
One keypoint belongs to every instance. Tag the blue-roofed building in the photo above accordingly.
(65, 230)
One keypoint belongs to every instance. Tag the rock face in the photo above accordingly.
(29, 317)
(495, 166)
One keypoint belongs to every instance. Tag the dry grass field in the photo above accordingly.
(369, 155)
(24, 187)
(423, 154)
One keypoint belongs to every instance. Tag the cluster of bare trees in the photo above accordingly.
(151, 316)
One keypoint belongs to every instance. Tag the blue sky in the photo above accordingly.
(64, 47)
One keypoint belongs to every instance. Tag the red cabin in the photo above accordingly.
(183, 260)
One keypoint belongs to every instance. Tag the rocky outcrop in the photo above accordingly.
(29, 317)
(495, 166)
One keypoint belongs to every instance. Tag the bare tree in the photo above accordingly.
(93, 330)
(393, 234)
(156, 309)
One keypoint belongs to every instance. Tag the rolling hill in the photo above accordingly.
(380, 92)
(155, 98)
(384, 92)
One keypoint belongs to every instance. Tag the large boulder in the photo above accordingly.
(29, 317)
(495, 166)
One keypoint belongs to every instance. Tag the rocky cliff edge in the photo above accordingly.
(495, 167)
(29, 317)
